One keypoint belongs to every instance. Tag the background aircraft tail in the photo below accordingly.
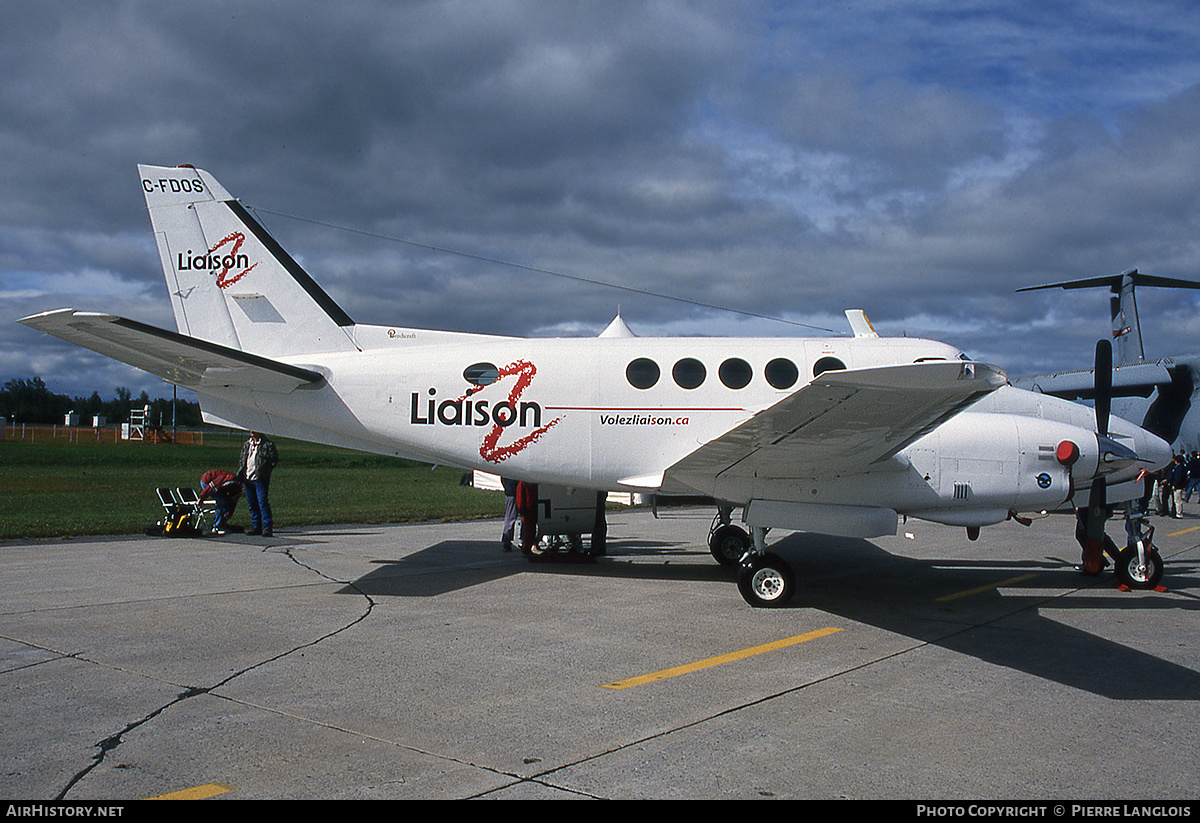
(1126, 329)
(230, 282)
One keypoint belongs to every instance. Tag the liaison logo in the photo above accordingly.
(222, 258)
(512, 411)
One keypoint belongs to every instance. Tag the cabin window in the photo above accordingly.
(781, 373)
(735, 373)
(689, 373)
(642, 373)
(828, 364)
(481, 374)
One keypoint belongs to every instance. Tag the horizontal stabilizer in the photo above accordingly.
(185, 361)
(1114, 282)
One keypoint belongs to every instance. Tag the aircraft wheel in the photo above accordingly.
(728, 544)
(766, 581)
(1135, 575)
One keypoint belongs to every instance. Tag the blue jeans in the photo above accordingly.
(1192, 485)
(225, 507)
(256, 501)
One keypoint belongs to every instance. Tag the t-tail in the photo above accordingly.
(1126, 329)
(230, 282)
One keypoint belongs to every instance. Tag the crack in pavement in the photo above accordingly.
(112, 742)
(109, 743)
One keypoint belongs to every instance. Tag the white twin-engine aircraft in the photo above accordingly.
(837, 435)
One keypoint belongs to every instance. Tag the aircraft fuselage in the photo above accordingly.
(612, 414)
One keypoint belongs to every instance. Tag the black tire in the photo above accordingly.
(1133, 574)
(728, 545)
(766, 582)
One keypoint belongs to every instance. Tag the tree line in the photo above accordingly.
(29, 401)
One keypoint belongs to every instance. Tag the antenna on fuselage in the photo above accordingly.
(551, 272)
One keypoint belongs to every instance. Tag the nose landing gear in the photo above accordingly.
(1139, 565)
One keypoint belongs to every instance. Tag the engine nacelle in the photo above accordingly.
(985, 465)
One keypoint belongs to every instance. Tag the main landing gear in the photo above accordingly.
(727, 542)
(765, 580)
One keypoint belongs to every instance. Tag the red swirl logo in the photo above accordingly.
(490, 449)
(231, 259)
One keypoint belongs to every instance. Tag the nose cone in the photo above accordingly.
(1130, 451)
(1153, 452)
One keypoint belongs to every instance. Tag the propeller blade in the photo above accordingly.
(1097, 509)
(1097, 515)
(1103, 379)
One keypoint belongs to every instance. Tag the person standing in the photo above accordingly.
(259, 458)
(507, 536)
(1193, 483)
(1177, 478)
(527, 502)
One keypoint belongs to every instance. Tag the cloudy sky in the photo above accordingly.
(920, 160)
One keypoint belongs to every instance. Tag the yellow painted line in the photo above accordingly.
(1185, 531)
(1010, 581)
(195, 793)
(717, 661)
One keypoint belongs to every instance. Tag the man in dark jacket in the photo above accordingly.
(259, 458)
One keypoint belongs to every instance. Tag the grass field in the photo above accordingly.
(61, 489)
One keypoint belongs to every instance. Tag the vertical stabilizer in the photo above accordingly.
(1126, 330)
(230, 282)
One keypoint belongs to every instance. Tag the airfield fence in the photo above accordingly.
(22, 433)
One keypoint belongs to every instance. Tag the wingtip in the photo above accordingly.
(32, 319)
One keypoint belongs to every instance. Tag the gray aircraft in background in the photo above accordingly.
(1159, 395)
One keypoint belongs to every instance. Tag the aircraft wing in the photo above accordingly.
(1134, 380)
(843, 422)
(185, 361)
